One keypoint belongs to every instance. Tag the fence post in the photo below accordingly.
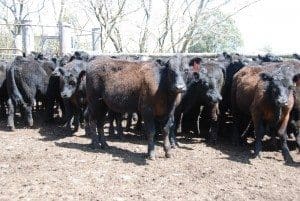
(96, 39)
(27, 37)
(65, 39)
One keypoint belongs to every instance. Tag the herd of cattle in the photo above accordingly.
(261, 96)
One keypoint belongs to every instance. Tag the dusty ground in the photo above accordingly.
(45, 164)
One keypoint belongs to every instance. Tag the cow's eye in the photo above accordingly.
(72, 83)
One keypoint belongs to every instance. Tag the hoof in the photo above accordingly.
(104, 145)
(95, 146)
(256, 155)
(30, 123)
(151, 156)
(289, 160)
(120, 137)
(11, 128)
(213, 141)
(168, 155)
(76, 129)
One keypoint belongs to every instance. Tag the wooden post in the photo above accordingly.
(65, 38)
(96, 39)
(27, 37)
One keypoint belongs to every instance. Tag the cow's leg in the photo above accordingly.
(148, 118)
(69, 113)
(138, 125)
(236, 136)
(62, 107)
(11, 114)
(168, 128)
(173, 128)
(2, 109)
(283, 139)
(119, 125)
(259, 133)
(50, 109)
(214, 131)
(129, 121)
(94, 122)
(214, 124)
(28, 114)
(111, 119)
(76, 119)
(100, 116)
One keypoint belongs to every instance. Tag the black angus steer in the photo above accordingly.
(125, 86)
(263, 94)
(204, 88)
(72, 89)
(26, 80)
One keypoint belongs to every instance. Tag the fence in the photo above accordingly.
(61, 39)
(53, 39)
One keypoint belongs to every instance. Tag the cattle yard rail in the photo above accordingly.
(10, 53)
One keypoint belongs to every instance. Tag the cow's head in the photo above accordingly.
(208, 86)
(172, 75)
(278, 87)
(69, 81)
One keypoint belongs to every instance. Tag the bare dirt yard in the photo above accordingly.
(44, 163)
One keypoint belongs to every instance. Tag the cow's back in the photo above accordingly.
(121, 84)
(244, 87)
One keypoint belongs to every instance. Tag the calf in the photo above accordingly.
(264, 94)
(26, 79)
(204, 87)
(72, 90)
(124, 86)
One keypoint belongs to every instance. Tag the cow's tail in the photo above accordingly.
(12, 89)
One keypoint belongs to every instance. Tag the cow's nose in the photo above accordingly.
(181, 88)
(63, 95)
(282, 101)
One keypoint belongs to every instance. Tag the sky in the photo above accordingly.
(270, 23)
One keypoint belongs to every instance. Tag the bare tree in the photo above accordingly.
(109, 14)
(17, 12)
(144, 31)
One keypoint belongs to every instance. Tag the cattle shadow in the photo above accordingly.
(243, 153)
(126, 155)
(54, 130)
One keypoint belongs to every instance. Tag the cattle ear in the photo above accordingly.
(82, 73)
(54, 60)
(161, 62)
(296, 78)
(266, 77)
(71, 58)
(58, 72)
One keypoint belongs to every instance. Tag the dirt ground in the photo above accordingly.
(44, 163)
